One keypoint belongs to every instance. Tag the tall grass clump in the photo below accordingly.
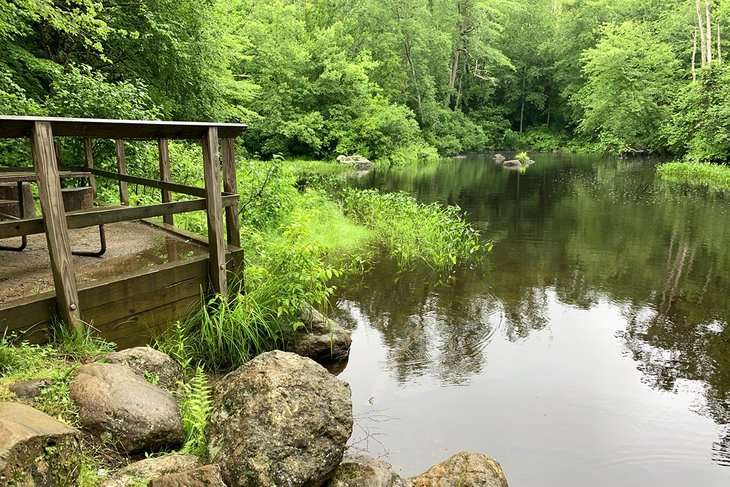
(413, 231)
(713, 176)
(282, 276)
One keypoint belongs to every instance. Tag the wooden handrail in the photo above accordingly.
(153, 183)
(101, 216)
(17, 127)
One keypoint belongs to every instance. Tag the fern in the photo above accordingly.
(195, 408)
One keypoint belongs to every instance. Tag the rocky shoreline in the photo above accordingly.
(280, 420)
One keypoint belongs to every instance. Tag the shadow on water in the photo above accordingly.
(576, 238)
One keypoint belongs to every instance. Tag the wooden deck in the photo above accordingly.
(126, 308)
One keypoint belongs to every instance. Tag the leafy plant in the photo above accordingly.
(195, 407)
(412, 231)
(79, 343)
(522, 157)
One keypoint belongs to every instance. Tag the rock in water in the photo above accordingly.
(281, 420)
(364, 471)
(465, 469)
(35, 449)
(121, 407)
(148, 363)
(321, 339)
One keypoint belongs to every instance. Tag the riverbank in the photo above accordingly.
(712, 176)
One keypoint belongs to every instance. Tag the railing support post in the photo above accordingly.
(54, 221)
(89, 151)
(122, 167)
(214, 203)
(164, 158)
(233, 225)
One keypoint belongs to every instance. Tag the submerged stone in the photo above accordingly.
(465, 469)
(365, 471)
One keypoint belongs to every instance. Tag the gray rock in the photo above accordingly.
(205, 476)
(499, 158)
(280, 420)
(465, 469)
(359, 163)
(148, 363)
(365, 471)
(321, 339)
(512, 163)
(122, 408)
(28, 390)
(35, 449)
(143, 471)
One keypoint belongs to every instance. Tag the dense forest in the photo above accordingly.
(390, 79)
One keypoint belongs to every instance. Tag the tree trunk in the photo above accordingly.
(708, 32)
(701, 28)
(694, 56)
(522, 105)
(454, 69)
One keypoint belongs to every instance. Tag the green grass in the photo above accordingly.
(713, 176)
(412, 231)
(303, 167)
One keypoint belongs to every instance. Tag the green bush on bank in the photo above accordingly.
(412, 231)
(712, 176)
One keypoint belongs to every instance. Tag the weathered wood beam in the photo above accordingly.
(54, 221)
(89, 152)
(211, 173)
(102, 216)
(19, 127)
(164, 158)
(152, 183)
(233, 225)
(122, 168)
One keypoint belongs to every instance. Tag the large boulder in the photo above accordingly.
(465, 469)
(124, 409)
(141, 472)
(365, 471)
(149, 363)
(280, 420)
(36, 449)
(205, 476)
(359, 163)
(321, 339)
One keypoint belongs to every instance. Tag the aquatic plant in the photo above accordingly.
(412, 231)
(522, 157)
(713, 176)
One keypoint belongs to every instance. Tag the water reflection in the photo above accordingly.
(586, 231)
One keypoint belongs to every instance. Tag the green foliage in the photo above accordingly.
(195, 408)
(630, 78)
(700, 126)
(522, 157)
(713, 176)
(435, 235)
(79, 344)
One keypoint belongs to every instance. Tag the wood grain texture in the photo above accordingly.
(230, 185)
(122, 168)
(211, 172)
(54, 221)
(16, 126)
(152, 183)
(89, 153)
(111, 214)
(164, 159)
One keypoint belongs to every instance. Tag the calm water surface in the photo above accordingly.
(591, 348)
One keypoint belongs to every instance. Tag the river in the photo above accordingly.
(592, 347)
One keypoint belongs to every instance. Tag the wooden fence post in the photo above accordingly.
(214, 203)
(54, 221)
(122, 166)
(233, 225)
(164, 158)
(89, 151)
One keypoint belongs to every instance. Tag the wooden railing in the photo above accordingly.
(55, 222)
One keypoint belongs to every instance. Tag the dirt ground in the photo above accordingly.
(131, 246)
